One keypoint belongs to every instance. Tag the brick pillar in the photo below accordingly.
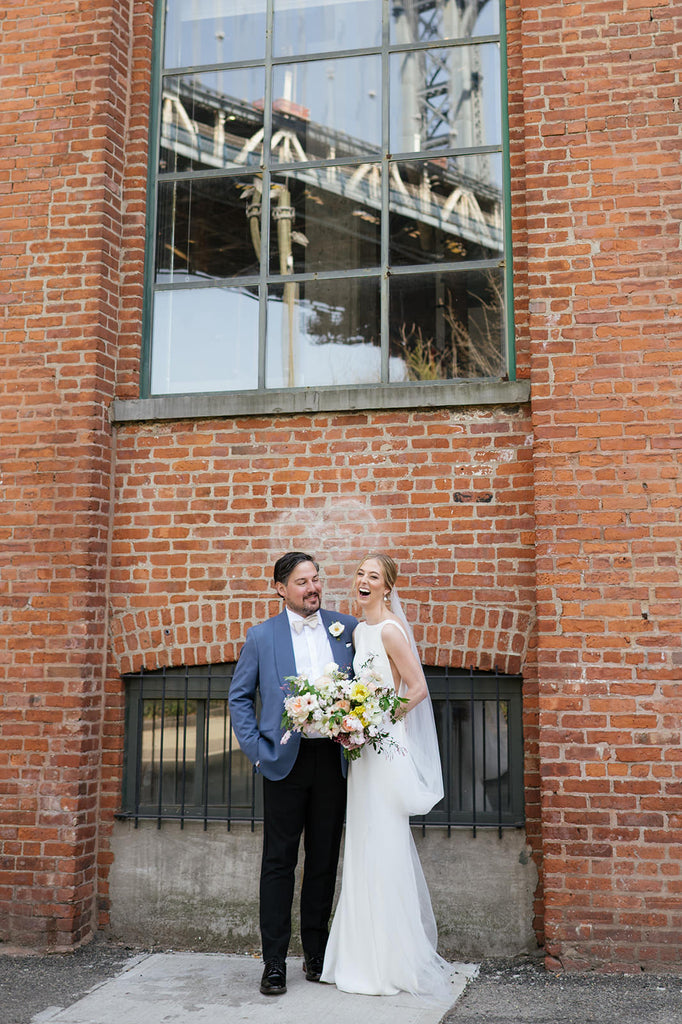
(602, 118)
(65, 97)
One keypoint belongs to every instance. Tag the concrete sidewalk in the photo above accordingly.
(108, 983)
(212, 988)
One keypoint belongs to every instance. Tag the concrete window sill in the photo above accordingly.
(321, 400)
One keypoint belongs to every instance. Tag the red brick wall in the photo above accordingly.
(517, 159)
(65, 105)
(203, 510)
(602, 113)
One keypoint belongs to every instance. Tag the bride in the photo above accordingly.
(383, 936)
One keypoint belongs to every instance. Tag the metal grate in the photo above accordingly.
(182, 759)
(479, 723)
(183, 762)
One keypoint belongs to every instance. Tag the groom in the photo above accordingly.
(304, 785)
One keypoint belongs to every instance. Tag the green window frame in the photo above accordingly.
(390, 288)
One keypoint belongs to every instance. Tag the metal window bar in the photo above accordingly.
(473, 751)
(223, 748)
(138, 733)
(498, 746)
(184, 748)
(479, 720)
(163, 722)
(229, 777)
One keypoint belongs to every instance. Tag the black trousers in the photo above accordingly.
(310, 800)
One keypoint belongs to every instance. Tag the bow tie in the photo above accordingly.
(311, 621)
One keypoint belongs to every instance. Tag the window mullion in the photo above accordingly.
(385, 189)
(506, 199)
(265, 221)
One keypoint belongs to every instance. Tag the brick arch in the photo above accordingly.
(211, 632)
(482, 638)
(189, 633)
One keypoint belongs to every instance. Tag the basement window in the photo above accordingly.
(183, 762)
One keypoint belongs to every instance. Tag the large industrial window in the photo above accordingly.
(183, 761)
(327, 195)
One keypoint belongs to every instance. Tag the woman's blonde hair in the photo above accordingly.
(388, 567)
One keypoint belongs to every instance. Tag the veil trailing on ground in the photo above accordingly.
(420, 727)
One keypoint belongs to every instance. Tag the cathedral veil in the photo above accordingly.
(420, 727)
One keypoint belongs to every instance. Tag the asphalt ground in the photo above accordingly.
(31, 983)
(521, 991)
(506, 991)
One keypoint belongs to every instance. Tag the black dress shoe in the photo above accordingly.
(274, 980)
(312, 967)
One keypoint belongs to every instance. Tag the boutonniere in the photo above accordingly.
(336, 629)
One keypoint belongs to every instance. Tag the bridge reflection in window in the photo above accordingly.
(329, 195)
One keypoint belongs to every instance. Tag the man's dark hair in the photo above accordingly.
(285, 565)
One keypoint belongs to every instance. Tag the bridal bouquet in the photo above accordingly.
(352, 711)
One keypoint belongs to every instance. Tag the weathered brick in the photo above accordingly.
(545, 545)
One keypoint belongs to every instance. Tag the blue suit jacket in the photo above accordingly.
(266, 659)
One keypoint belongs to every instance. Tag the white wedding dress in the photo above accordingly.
(383, 936)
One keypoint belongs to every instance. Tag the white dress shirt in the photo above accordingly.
(312, 650)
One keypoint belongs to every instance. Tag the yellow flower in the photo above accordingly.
(360, 712)
(359, 692)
